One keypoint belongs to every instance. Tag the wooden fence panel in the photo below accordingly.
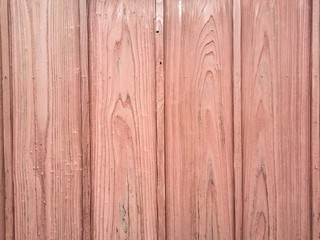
(123, 119)
(276, 119)
(159, 119)
(198, 120)
(46, 119)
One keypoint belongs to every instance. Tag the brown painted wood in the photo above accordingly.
(46, 119)
(198, 100)
(276, 119)
(123, 119)
(315, 131)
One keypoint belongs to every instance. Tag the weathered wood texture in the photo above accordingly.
(237, 120)
(123, 119)
(6, 170)
(160, 108)
(198, 120)
(276, 91)
(46, 119)
(158, 119)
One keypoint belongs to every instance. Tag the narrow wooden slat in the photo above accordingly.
(123, 119)
(3, 34)
(199, 127)
(7, 171)
(276, 119)
(161, 194)
(46, 119)
(237, 120)
(315, 131)
(85, 121)
(2, 165)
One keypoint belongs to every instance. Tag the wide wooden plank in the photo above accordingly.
(46, 100)
(315, 130)
(199, 127)
(276, 119)
(123, 119)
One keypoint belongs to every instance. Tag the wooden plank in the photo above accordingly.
(2, 165)
(6, 151)
(123, 119)
(161, 192)
(237, 118)
(199, 127)
(85, 121)
(3, 34)
(46, 119)
(276, 119)
(315, 131)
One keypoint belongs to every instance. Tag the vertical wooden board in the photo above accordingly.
(237, 120)
(2, 165)
(46, 119)
(198, 119)
(123, 119)
(7, 198)
(276, 119)
(160, 80)
(315, 131)
(85, 121)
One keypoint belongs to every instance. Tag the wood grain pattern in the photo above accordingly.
(7, 230)
(85, 120)
(153, 119)
(3, 34)
(2, 168)
(123, 119)
(160, 108)
(276, 119)
(199, 143)
(47, 150)
(237, 121)
(315, 130)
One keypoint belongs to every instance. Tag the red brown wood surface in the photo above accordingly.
(46, 121)
(85, 120)
(7, 196)
(198, 120)
(276, 119)
(123, 119)
(3, 35)
(158, 119)
(237, 120)
(160, 108)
